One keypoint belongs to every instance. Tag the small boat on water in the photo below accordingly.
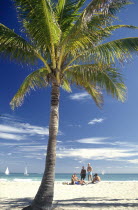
(7, 171)
(26, 172)
(103, 172)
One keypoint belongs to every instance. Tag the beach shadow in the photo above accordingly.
(9, 204)
(95, 202)
(83, 202)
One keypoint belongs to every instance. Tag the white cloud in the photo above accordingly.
(10, 129)
(135, 161)
(11, 136)
(32, 148)
(32, 129)
(14, 129)
(97, 153)
(125, 144)
(80, 96)
(96, 120)
(21, 131)
(93, 140)
(24, 128)
(7, 118)
(74, 125)
(13, 144)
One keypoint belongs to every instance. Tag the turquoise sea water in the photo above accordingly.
(66, 177)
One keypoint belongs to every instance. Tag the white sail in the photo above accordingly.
(103, 172)
(7, 171)
(26, 172)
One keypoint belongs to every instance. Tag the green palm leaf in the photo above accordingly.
(67, 12)
(98, 33)
(37, 79)
(97, 7)
(117, 5)
(92, 89)
(66, 85)
(86, 33)
(98, 75)
(121, 50)
(95, 94)
(118, 49)
(39, 21)
(16, 47)
(92, 37)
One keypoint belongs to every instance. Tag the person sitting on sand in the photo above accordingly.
(96, 179)
(75, 180)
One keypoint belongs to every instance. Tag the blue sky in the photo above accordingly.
(106, 138)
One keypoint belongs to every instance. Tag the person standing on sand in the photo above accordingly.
(89, 170)
(83, 173)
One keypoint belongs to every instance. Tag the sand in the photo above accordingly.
(104, 195)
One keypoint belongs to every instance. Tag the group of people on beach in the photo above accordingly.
(93, 179)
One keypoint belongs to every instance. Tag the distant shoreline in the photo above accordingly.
(66, 177)
(57, 182)
(66, 173)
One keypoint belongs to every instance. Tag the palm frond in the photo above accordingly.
(37, 79)
(15, 47)
(112, 82)
(86, 28)
(92, 37)
(104, 77)
(120, 49)
(92, 89)
(39, 21)
(96, 7)
(104, 20)
(117, 5)
(66, 85)
(95, 93)
(98, 33)
(67, 12)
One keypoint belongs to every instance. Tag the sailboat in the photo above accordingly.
(26, 172)
(103, 172)
(7, 171)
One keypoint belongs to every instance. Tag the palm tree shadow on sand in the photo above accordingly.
(84, 202)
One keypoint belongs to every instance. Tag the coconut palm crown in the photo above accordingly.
(69, 38)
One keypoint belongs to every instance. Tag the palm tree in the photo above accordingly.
(69, 38)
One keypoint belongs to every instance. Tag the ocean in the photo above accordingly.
(66, 177)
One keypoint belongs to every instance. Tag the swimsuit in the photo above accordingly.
(76, 182)
(90, 173)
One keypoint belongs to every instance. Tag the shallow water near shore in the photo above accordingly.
(65, 177)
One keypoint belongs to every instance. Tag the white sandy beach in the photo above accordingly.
(104, 195)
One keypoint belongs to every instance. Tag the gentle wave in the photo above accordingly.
(23, 180)
(66, 177)
(5, 180)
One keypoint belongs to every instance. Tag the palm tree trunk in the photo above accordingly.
(44, 197)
